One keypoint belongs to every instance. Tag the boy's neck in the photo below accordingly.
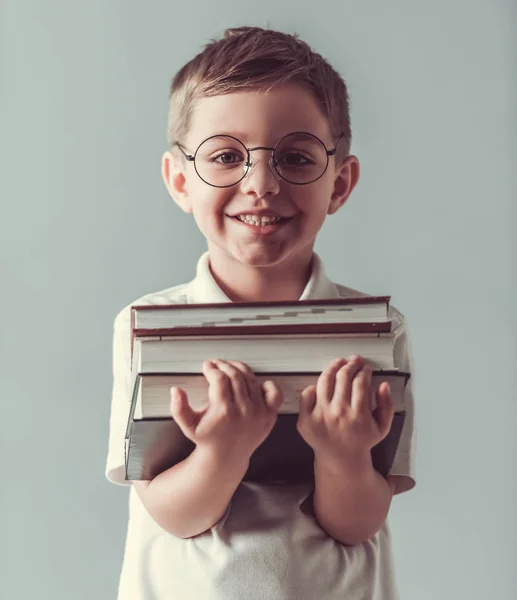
(240, 282)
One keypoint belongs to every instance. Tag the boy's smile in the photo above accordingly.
(262, 222)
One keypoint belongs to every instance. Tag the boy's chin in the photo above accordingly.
(271, 258)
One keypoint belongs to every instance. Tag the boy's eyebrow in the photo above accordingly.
(241, 135)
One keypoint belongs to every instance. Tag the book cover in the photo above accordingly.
(153, 445)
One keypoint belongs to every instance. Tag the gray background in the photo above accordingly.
(87, 227)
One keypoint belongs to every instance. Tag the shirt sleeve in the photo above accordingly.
(120, 398)
(404, 462)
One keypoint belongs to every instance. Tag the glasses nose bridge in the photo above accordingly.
(271, 161)
(271, 150)
(250, 165)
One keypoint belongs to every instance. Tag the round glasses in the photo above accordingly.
(223, 160)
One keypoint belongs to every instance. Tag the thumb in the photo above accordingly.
(181, 411)
(273, 396)
(383, 414)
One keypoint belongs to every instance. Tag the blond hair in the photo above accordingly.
(252, 58)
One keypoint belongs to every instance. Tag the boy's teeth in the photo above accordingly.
(255, 220)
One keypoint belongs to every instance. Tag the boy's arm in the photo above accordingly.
(351, 502)
(193, 495)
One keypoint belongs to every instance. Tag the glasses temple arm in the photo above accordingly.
(187, 156)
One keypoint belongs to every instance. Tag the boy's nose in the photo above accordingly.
(261, 178)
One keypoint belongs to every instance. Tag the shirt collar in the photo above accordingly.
(204, 289)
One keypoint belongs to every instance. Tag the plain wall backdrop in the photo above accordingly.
(87, 226)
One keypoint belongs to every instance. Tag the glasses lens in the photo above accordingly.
(221, 161)
(300, 158)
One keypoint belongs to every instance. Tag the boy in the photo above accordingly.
(259, 138)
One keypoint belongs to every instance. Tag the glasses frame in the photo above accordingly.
(272, 162)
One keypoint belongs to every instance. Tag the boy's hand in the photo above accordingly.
(336, 418)
(240, 412)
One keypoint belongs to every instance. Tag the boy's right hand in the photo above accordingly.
(240, 412)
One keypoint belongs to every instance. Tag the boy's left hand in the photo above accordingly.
(336, 418)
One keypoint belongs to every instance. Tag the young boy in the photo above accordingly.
(259, 137)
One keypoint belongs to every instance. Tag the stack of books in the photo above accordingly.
(288, 342)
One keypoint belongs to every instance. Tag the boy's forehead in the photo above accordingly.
(254, 116)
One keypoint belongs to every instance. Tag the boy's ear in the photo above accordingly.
(173, 173)
(345, 181)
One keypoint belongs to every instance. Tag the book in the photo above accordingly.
(365, 313)
(154, 442)
(262, 353)
(151, 398)
(155, 445)
(364, 309)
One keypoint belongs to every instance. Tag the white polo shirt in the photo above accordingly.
(268, 545)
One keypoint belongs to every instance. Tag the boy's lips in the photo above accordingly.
(260, 213)
(261, 229)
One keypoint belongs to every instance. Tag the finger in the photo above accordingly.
(385, 410)
(272, 394)
(252, 383)
(243, 368)
(307, 401)
(219, 387)
(326, 381)
(181, 411)
(360, 401)
(342, 397)
(238, 384)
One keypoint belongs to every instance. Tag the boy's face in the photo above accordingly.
(259, 119)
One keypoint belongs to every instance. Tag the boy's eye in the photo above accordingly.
(227, 158)
(294, 159)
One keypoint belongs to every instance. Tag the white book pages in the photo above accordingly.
(153, 394)
(279, 353)
(267, 315)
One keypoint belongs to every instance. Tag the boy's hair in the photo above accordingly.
(252, 58)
